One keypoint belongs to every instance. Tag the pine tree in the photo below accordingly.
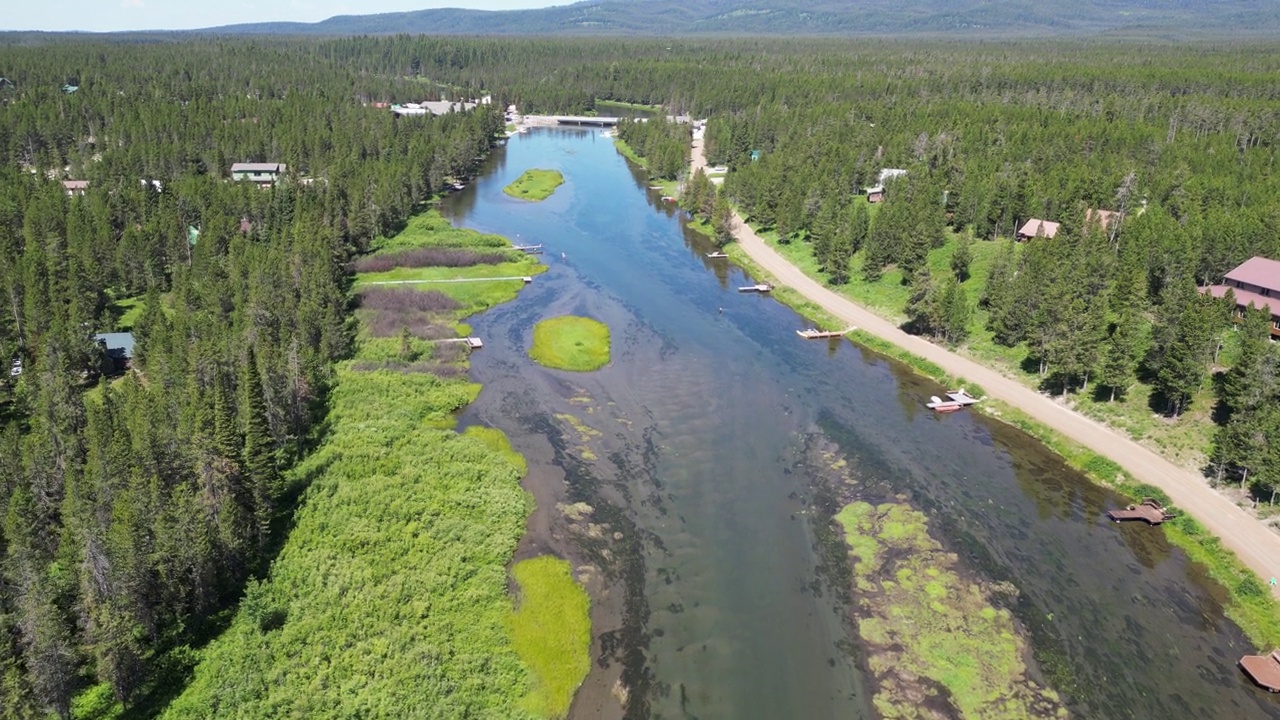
(1185, 360)
(259, 455)
(962, 257)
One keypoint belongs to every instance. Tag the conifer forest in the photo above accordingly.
(142, 510)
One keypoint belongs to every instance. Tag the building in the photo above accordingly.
(1036, 227)
(875, 193)
(434, 107)
(1105, 218)
(117, 350)
(887, 174)
(1255, 282)
(264, 174)
(75, 187)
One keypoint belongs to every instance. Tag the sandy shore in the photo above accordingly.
(1256, 545)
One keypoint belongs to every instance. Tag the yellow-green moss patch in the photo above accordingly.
(551, 632)
(535, 184)
(571, 343)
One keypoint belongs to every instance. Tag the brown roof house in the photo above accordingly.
(1036, 227)
(75, 187)
(1255, 282)
(1104, 218)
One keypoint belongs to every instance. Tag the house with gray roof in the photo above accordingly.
(264, 174)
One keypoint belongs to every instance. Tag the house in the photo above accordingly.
(875, 194)
(75, 187)
(1255, 282)
(887, 174)
(1105, 218)
(1036, 227)
(117, 350)
(264, 174)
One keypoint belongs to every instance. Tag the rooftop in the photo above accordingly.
(117, 343)
(1259, 271)
(258, 167)
(1036, 227)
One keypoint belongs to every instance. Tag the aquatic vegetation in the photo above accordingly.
(535, 184)
(586, 434)
(934, 636)
(551, 632)
(571, 343)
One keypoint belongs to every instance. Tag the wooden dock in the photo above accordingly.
(473, 343)
(761, 288)
(816, 334)
(1149, 511)
(717, 255)
(525, 279)
(531, 249)
(1263, 670)
(956, 400)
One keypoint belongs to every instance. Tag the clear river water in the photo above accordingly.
(695, 447)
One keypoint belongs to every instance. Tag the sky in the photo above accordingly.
(114, 15)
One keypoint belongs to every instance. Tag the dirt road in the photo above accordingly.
(1256, 545)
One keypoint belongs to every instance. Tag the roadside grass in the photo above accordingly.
(535, 185)
(551, 632)
(571, 343)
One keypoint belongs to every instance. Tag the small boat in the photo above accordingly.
(668, 198)
(956, 399)
(716, 255)
(761, 288)
(655, 187)
(816, 334)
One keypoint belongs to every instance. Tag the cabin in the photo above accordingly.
(75, 187)
(887, 174)
(263, 174)
(875, 193)
(1255, 282)
(117, 351)
(1036, 227)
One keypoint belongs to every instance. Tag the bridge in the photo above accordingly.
(583, 120)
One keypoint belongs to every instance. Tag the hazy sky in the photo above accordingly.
(111, 15)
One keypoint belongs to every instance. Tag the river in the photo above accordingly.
(694, 450)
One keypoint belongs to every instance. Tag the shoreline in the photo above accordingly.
(1251, 543)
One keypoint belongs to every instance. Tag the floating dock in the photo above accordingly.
(531, 249)
(761, 288)
(716, 255)
(1149, 511)
(1263, 670)
(956, 400)
(816, 334)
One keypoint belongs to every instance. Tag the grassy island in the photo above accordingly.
(923, 621)
(551, 632)
(535, 185)
(571, 343)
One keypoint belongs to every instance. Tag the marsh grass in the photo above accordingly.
(571, 343)
(535, 185)
(551, 632)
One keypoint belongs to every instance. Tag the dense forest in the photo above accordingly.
(138, 507)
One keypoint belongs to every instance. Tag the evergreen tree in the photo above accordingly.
(962, 257)
(259, 453)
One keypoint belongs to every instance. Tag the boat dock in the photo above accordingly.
(525, 279)
(1263, 670)
(473, 343)
(1149, 511)
(956, 399)
(716, 255)
(761, 288)
(816, 334)
(531, 249)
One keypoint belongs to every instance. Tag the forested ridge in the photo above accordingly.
(136, 507)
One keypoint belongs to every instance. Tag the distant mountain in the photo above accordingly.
(814, 17)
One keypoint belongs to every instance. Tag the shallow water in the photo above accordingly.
(701, 421)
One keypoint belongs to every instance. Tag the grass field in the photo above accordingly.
(551, 630)
(571, 343)
(535, 185)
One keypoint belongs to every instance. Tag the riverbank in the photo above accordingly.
(1255, 547)
(400, 553)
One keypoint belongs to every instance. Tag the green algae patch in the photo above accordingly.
(934, 638)
(551, 632)
(571, 343)
(535, 185)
